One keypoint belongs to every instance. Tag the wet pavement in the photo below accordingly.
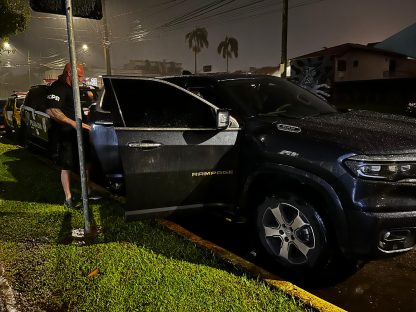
(382, 285)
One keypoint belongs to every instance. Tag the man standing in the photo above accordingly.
(60, 107)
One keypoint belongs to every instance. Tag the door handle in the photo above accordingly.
(145, 145)
(103, 123)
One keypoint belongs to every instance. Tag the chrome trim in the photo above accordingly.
(288, 128)
(144, 145)
(364, 175)
(410, 180)
(396, 250)
(103, 123)
(384, 158)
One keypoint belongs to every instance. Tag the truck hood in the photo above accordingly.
(361, 132)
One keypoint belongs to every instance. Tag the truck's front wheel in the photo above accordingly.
(292, 231)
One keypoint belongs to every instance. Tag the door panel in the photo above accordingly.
(171, 154)
(37, 123)
(169, 168)
(104, 141)
(41, 125)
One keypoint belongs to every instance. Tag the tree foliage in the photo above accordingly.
(228, 48)
(14, 17)
(197, 39)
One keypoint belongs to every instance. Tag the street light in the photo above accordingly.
(8, 47)
(82, 53)
(12, 50)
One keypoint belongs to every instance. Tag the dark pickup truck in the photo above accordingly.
(310, 180)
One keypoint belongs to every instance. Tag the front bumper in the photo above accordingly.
(382, 233)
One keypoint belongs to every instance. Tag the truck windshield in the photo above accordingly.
(272, 96)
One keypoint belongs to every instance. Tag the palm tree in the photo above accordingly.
(197, 39)
(227, 48)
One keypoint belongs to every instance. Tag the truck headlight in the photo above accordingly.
(389, 168)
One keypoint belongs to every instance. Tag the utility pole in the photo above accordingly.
(106, 41)
(284, 37)
(28, 64)
(78, 114)
(81, 10)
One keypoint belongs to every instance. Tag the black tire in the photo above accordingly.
(15, 130)
(21, 135)
(292, 232)
(7, 129)
(15, 125)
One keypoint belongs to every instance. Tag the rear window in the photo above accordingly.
(19, 102)
(36, 98)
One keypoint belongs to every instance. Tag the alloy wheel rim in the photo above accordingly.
(288, 233)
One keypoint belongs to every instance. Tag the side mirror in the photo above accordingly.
(223, 119)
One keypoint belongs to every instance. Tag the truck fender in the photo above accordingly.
(334, 208)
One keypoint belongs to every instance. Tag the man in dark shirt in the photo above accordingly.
(60, 107)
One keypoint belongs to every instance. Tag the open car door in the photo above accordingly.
(172, 154)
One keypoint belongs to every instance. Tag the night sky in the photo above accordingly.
(256, 24)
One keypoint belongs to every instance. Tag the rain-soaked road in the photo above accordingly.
(381, 285)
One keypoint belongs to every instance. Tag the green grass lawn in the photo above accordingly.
(142, 266)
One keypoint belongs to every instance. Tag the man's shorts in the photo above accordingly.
(67, 148)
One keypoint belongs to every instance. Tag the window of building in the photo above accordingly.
(342, 65)
(392, 66)
(355, 63)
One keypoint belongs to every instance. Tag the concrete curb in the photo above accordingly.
(305, 297)
(7, 299)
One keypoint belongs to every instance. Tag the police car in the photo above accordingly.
(35, 122)
(11, 111)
